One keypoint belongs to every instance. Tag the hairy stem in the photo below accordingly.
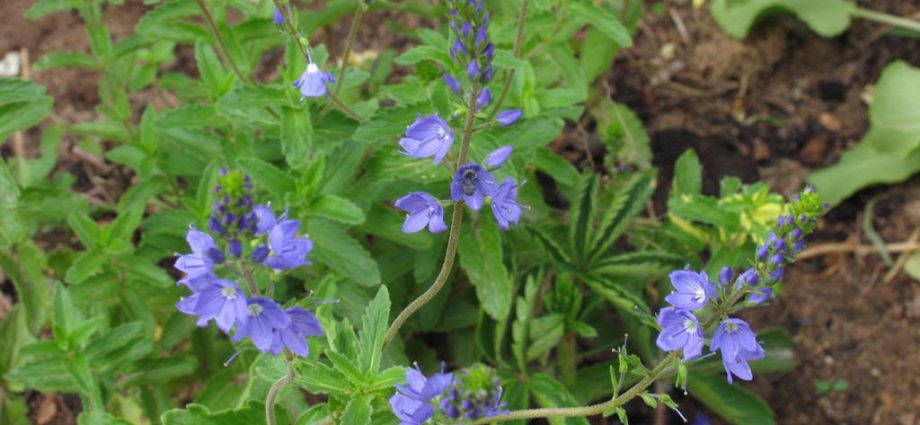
(884, 18)
(509, 78)
(220, 41)
(276, 388)
(350, 44)
(452, 239)
(567, 359)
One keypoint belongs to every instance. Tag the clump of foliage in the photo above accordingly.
(308, 210)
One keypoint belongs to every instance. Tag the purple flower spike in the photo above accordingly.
(287, 250)
(738, 344)
(508, 117)
(294, 336)
(472, 183)
(424, 210)
(200, 261)
(473, 70)
(680, 330)
(452, 83)
(278, 17)
(427, 137)
(504, 204)
(263, 317)
(222, 301)
(312, 83)
(725, 276)
(692, 290)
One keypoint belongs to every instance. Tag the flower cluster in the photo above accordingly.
(473, 185)
(734, 338)
(471, 394)
(275, 245)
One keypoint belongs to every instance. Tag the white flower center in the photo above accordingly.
(442, 133)
(312, 67)
(228, 293)
(690, 327)
(699, 295)
(254, 310)
(731, 327)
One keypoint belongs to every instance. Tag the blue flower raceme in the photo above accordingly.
(691, 290)
(221, 300)
(738, 345)
(472, 183)
(312, 83)
(680, 330)
(427, 137)
(423, 211)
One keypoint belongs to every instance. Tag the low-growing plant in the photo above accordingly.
(384, 240)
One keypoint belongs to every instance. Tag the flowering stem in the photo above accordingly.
(220, 40)
(276, 388)
(352, 33)
(452, 239)
(517, 53)
(292, 31)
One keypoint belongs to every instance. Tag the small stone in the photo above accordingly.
(813, 153)
(830, 122)
(761, 150)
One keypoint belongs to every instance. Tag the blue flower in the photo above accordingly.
(278, 17)
(680, 330)
(264, 219)
(287, 251)
(760, 295)
(220, 300)
(738, 345)
(692, 290)
(504, 204)
(312, 83)
(472, 183)
(294, 336)
(412, 402)
(484, 98)
(263, 318)
(427, 137)
(498, 157)
(508, 117)
(424, 210)
(203, 257)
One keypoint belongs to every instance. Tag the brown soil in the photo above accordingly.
(772, 107)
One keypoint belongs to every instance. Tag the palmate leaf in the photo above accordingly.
(628, 201)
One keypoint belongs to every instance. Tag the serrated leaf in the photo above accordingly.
(65, 317)
(253, 413)
(267, 175)
(85, 266)
(296, 136)
(373, 328)
(358, 410)
(688, 175)
(603, 20)
(322, 379)
(480, 253)
(337, 208)
(639, 263)
(551, 247)
(336, 249)
(581, 222)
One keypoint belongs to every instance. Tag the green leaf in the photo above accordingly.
(336, 249)
(47, 7)
(549, 243)
(859, 167)
(252, 413)
(421, 53)
(894, 114)
(85, 266)
(337, 208)
(621, 296)
(65, 60)
(15, 116)
(623, 133)
(323, 379)
(628, 201)
(555, 166)
(100, 418)
(373, 328)
(581, 222)
(481, 257)
(732, 403)
(65, 317)
(212, 73)
(603, 20)
(271, 177)
(638, 263)
(296, 136)
(550, 393)
(688, 175)
(912, 266)
(86, 230)
(32, 287)
(358, 410)
(828, 18)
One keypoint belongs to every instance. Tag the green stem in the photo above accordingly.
(884, 18)
(220, 40)
(452, 239)
(509, 78)
(344, 108)
(567, 359)
(276, 388)
(349, 45)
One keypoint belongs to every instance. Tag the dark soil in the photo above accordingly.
(772, 107)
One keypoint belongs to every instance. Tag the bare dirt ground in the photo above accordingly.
(772, 107)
